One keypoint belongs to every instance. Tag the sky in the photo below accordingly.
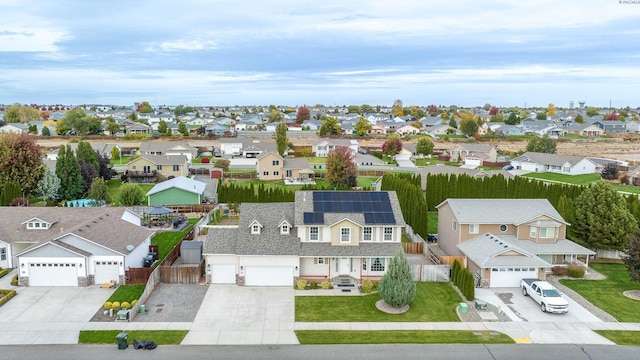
(283, 52)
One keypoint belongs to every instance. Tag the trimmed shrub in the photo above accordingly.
(366, 287)
(576, 271)
(107, 305)
(125, 305)
(115, 305)
(204, 160)
(313, 285)
(134, 302)
(301, 284)
(325, 285)
(397, 287)
(4, 272)
(560, 270)
(14, 280)
(8, 294)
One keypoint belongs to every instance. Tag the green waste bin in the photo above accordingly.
(121, 338)
(142, 309)
(463, 308)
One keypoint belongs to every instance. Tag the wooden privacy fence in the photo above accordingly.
(138, 276)
(413, 247)
(182, 274)
(154, 280)
(430, 273)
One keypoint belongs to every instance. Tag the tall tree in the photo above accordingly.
(469, 126)
(362, 127)
(99, 190)
(281, 138)
(397, 109)
(579, 119)
(432, 110)
(274, 116)
(632, 260)
(551, 110)
(541, 115)
(329, 126)
(182, 129)
(45, 131)
(513, 119)
(162, 127)
(17, 113)
(303, 114)
(68, 170)
(424, 146)
(86, 153)
(542, 145)
(366, 109)
(397, 287)
(48, 185)
(112, 127)
(341, 167)
(494, 110)
(115, 153)
(104, 169)
(20, 161)
(144, 107)
(603, 220)
(392, 146)
(354, 109)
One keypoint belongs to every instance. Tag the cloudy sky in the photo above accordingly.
(198, 52)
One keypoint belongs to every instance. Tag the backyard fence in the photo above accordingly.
(430, 273)
(413, 247)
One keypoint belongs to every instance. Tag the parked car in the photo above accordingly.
(432, 238)
(507, 167)
(547, 296)
(363, 151)
(217, 153)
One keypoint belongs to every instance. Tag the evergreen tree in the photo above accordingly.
(86, 153)
(632, 260)
(397, 287)
(99, 191)
(48, 185)
(69, 173)
(281, 138)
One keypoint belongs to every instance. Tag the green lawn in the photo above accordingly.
(315, 337)
(620, 337)
(127, 293)
(366, 181)
(118, 161)
(275, 184)
(607, 294)
(405, 238)
(113, 189)
(433, 302)
(586, 179)
(435, 161)
(160, 337)
(167, 240)
(432, 222)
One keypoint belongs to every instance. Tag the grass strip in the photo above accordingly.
(621, 337)
(160, 337)
(318, 337)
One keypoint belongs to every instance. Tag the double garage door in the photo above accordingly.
(53, 274)
(269, 276)
(511, 277)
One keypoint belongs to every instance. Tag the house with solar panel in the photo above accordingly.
(322, 235)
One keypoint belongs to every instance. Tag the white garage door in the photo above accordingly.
(475, 162)
(511, 277)
(269, 276)
(223, 274)
(106, 271)
(61, 274)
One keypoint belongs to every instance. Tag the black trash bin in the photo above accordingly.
(121, 338)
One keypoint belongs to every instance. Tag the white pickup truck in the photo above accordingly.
(547, 296)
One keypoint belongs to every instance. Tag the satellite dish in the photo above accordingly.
(130, 247)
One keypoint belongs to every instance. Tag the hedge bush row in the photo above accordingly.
(4, 272)
(463, 279)
(7, 295)
(117, 305)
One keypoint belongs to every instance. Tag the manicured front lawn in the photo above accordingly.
(311, 337)
(621, 337)
(585, 179)
(160, 337)
(433, 302)
(607, 294)
(127, 293)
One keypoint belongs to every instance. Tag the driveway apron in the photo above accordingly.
(237, 315)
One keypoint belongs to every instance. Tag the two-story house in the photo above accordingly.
(474, 154)
(506, 240)
(169, 148)
(271, 166)
(149, 168)
(323, 235)
(322, 147)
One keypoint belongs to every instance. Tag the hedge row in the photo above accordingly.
(463, 279)
(7, 295)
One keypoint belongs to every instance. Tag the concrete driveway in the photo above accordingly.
(240, 315)
(49, 315)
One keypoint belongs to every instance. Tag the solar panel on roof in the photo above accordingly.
(375, 206)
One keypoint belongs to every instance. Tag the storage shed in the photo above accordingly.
(191, 252)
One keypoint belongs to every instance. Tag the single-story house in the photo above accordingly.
(180, 190)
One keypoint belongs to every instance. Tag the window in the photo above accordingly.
(533, 232)
(454, 225)
(159, 167)
(255, 229)
(388, 234)
(474, 228)
(322, 147)
(176, 167)
(265, 173)
(377, 264)
(364, 264)
(345, 235)
(146, 169)
(367, 234)
(321, 261)
(275, 162)
(284, 230)
(547, 232)
(503, 228)
(314, 233)
(37, 225)
(3, 254)
(276, 173)
(133, 167)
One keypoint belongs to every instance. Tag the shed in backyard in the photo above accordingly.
(191, 252)
(177, 191)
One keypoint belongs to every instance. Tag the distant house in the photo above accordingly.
(474, 154)
(168, 148)
(612, 126)
(322, 147)
(148, 168)
(562, 164)
(15, 128)
(271, 166)
(138, 128)
(177, 191)
(408, 129)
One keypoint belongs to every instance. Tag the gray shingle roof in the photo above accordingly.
(548, 159)
(180, 182)
(500, 211)
(485, 251)
(562, 246)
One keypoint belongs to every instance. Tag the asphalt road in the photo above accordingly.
(355, 352)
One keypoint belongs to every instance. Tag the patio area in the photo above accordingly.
(299, 181)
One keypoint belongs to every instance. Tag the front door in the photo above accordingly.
(345, 266)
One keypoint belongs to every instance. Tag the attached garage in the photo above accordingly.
(53, 274)
(223, 274)
(269, 276)
(106, 271)
(511, 277)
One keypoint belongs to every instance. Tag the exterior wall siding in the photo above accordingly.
(174, 196)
